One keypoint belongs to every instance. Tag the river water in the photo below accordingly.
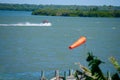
(26, 50)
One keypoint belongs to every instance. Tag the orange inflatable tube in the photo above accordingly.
(79, 42)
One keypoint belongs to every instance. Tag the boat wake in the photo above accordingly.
(28, 24)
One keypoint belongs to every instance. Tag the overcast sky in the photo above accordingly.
(65, 2)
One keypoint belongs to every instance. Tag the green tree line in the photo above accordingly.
(31, 7)
(78, 13)
(65, 10)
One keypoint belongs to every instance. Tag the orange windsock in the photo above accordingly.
(79, 42)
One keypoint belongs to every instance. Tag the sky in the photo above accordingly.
(65, 2)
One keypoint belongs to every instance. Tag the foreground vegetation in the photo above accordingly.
(65, 10)
(94, 72)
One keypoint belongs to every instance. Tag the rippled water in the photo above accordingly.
(26, 50)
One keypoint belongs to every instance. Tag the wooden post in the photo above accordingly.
(42, 76)
(57, 74)
(65, 76)
(70, 72)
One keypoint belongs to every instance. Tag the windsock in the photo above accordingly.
(77, 43)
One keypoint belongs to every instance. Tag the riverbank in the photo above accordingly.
(77, 13)
(65, 10)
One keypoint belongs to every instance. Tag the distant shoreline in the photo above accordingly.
(76, 13)
(65, 10)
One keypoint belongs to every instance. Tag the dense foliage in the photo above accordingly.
(31, 7)
(65, 10)
(94, 72)
(79, 13)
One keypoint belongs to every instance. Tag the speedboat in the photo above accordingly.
(46, 23)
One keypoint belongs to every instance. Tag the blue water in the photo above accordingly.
(26, 50)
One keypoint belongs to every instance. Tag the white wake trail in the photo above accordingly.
(28, 24)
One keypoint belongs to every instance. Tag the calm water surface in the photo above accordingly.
(26, 50)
